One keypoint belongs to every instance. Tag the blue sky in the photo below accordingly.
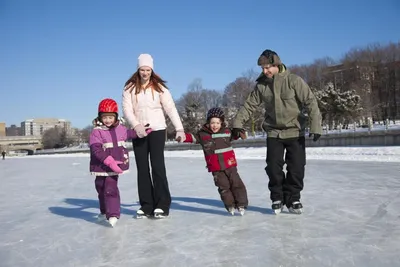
(60, 58)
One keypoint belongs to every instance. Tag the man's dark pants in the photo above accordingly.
(287, 187)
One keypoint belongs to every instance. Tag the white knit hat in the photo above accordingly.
(145, 60)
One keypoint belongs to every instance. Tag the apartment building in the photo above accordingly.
(36, 127)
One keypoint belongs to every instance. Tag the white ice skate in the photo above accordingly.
(113, 221)
(231, 210)
(159, 214)
(241, 210)
(296, 208)
(277, 207)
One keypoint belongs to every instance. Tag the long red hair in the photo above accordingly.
(155, 82)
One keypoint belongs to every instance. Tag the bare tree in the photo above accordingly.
(85, 133)
(56, 138)
(190, 106)
(314, 74)
(210, 98)
(378, 78)
(368, 77)
(51, 138)
(193, 105)
(235, 95)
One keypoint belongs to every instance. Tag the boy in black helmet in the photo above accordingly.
(215, 139)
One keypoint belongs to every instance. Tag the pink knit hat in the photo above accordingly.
(145, 60)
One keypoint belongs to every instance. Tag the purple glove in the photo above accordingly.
(113, 164)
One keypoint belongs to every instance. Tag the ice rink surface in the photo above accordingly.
(48, 208)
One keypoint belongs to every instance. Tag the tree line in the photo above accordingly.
(363, 85)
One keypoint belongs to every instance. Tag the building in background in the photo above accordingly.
(376, 83)
(2, 129)
(13, 130)
(36, 127)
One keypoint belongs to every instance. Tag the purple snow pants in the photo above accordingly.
(108, 193)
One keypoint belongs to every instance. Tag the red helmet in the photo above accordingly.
(108, 106)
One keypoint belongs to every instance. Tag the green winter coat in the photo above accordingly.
(284, 98)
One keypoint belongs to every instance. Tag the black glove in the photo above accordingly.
(316, 136)
(237, 131)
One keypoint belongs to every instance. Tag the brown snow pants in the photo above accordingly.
(231, 188)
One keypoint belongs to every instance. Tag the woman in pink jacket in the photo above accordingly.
(145, 98)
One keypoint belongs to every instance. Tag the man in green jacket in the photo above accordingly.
(288, 103)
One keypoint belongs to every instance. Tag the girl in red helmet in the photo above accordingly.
(109, 158)
(215, 139)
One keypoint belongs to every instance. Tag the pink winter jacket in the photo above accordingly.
(147, 108)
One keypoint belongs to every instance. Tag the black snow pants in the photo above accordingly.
(286, 188)
(153, 188)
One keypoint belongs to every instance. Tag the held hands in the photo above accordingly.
(180, 136)
(238, 133)
(113, 164)
(315, 136)
(142, 131)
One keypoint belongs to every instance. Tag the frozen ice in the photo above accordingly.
(351, 216)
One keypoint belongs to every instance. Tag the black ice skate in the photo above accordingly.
(296, 207)
(277, 206)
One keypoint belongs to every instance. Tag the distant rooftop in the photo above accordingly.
(44, 120)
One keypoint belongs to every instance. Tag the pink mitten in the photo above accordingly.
(113, 164)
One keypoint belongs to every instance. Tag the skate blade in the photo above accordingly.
(277, 211)
(296, 211)
(142, 216)
(160, 216)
